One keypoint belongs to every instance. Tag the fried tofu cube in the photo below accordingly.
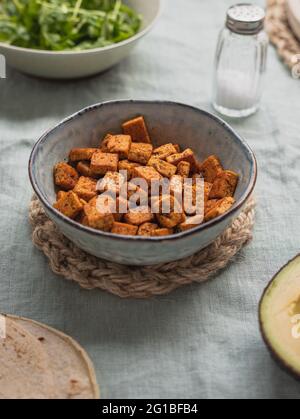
(119, 144)
(93, 201)
(138, 216)
(222, 206)
(83, 201)
(191, 222)
(124, 229)
(196, 203)
(167, 170)
(186, 155)
(165, 151)
(105, 203)
(86, 188)
(210, 204)
(60, 195)
(128, 166)
(176, 185)
(211, 168)
(77, 154)
(84, 169)
(122, 206)
(183, 169)
(136, 195)
(140, 153)
(160, 232)
(147, 173)
(104, 162)
(65, 176)
(104, 142)
(137, 130)
(112, 182)
(98, 220)
(147, 229)
(207, 189)
(171, 214)
(69, 204)
(224, 185)
(191, 199)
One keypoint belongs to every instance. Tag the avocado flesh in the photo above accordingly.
(280, 316)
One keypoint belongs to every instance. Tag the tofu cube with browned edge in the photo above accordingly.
(191, 222)
(128, 166)
(119, 144)
(60, 194)
(104, 162)
(69, 204)
(140, 153)
(160, 232)
(187, 155)
(210, 204)
(77, 154)
(124, 229)
(224, 185)
(222, 206)
(137, 130)
(112, 182)
(167, 170)
(138, 216)
(65, 176)
(86, 188)
(147, 229)
(98, 220)
(165, 151)
(84, 168)
(147, 173)
(169, 214)
(176, 185)
(211, 168)
(183, 169)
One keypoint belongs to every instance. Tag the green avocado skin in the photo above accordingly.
(282, 364)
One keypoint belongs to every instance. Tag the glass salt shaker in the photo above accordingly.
(240, 62)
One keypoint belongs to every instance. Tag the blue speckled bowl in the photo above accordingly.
(167, 122)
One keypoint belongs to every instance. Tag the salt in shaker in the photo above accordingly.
(240, 61)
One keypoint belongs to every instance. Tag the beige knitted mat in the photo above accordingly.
(137, 282)
(280, 32)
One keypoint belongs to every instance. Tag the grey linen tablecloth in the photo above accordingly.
(200, 341)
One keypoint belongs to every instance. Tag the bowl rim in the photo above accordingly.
(237, 206)
(136, 37)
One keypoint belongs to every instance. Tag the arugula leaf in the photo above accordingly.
(58, 25)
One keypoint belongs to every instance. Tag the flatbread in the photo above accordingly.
(25, 371)
(70, 366)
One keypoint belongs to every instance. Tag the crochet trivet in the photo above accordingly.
(89, 272)
(281, 34)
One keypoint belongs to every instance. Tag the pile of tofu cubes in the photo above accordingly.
(94, 175)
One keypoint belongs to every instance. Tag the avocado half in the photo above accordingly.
(279, 315)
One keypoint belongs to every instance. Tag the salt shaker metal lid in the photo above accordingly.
(245, 19)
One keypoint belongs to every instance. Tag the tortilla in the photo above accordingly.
(25, 371)
(70, 366)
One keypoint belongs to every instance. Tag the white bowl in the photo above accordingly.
(69, 64)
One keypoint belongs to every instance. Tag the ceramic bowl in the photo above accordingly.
(167, 121)
(70, 65)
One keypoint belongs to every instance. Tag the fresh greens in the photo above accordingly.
(59, 25)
